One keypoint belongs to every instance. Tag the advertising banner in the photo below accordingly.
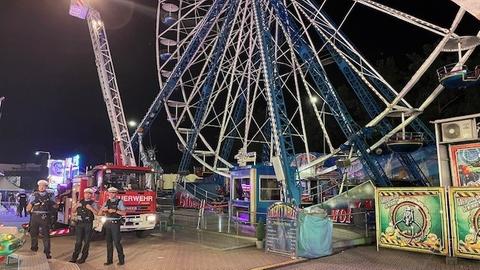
(281, 229)
(56, 172)
(465, 222)
(184, 199)
(465, 164)
(413, 219)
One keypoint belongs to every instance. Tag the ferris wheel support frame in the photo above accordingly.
(424, 105)
(419, 73)
(352, 56)
(407, 18)
(413, 117)
(283, 143)
(367, 100)
(341, 114)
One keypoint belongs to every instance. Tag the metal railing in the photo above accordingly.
(450, 69)
(455, 69)
(199, 192)
(231, 222)
(406, 136)
(321, 191)
(8, 208)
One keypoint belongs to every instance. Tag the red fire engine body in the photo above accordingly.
(134, 186)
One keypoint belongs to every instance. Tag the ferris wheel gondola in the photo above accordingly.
(458, 76)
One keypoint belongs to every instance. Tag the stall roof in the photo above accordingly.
(6, 185)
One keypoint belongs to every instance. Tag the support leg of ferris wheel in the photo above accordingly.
(342, 52)
(423, 68)
(191, 51)
(373, 109)
(282, 139)
(423, 106)
(348, 126)
(208, 84)
(333, 36)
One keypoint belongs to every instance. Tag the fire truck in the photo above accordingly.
(135, 188)
(135, 184)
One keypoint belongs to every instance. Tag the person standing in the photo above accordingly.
(22, 203)
(12, 202)
(40, 205)
(114, 209)
(85, 211)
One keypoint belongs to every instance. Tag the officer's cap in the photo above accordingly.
(112, 189)
(88, 190)
(42, 182)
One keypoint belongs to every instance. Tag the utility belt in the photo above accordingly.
(43, 216)
(41, 213)
(84, 221)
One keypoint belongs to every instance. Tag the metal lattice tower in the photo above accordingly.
(111, 94)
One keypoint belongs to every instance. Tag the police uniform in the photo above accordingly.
(42, 207)
(22, 204)
(83, 229)
(112, 229)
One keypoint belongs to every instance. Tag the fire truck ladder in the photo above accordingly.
(111, 95)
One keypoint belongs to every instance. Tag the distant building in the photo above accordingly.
(29, 173)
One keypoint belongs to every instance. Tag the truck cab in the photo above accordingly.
(136, 188)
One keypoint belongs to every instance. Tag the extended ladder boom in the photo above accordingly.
(122, 148)
(123, 153)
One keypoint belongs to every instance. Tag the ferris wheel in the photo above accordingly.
(247, 80)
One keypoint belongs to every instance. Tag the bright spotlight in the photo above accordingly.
(132, 123)
(313, 99)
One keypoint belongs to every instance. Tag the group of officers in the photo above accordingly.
(42, 205)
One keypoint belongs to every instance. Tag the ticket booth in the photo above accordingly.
(252, 190)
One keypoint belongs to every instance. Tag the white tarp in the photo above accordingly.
(472, 6)
(6, 185)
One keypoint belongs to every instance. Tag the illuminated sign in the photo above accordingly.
(61, 170)
(72, 167)
(78, 8)
(56, 172)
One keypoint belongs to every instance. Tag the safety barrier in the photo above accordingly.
(8, 208)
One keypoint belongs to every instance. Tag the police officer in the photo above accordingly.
(85, 211)
(114, 209)
(22, 203)
(41, 205)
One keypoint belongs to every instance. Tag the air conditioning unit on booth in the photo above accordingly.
(458, 131)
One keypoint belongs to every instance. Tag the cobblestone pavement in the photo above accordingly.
(189, 250)
(367, 258)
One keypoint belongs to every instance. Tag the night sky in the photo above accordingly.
(48, 74)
